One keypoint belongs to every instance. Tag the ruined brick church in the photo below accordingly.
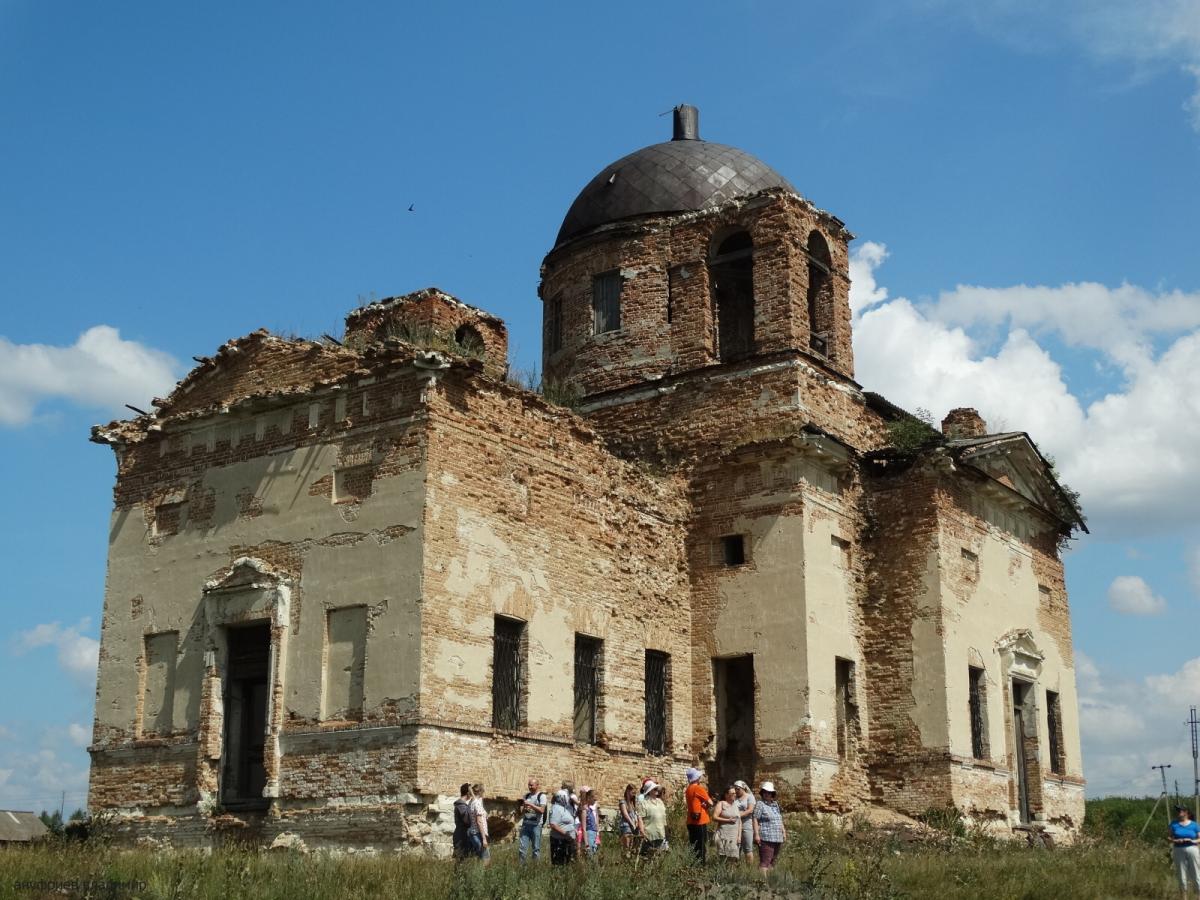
(346, 575)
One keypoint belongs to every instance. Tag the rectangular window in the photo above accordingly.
(970, 563)
(847, 708)
(657, 675)
(977, 701)
(587, 687)
(733, 549)
(606, 302)
(158, 683)
(507, 675)
(167, 518)
(345, 660)
(554, 325)
(1054, 730)
(841, 551)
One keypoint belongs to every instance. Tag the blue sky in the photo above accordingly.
(1023, 184)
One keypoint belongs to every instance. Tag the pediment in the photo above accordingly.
(1020, 653)
(249, 590)
(246, 574)
(1011, 460)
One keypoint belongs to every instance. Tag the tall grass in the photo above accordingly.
(819, 861)
(1129, 818)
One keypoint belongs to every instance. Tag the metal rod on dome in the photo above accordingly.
(687, 123)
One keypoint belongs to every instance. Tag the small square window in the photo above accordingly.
(606, 302)
(733, 549)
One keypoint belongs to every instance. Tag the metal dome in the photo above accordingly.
(680, 175)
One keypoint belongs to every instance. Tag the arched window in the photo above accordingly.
(820, 293)
(469, 340)
(731, 274)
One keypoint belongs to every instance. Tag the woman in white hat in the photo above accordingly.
(769, 830)
(745, 805)
(654, 819)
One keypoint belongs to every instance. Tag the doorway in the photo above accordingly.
(1024, 742)
(243, 772)
(733, 686)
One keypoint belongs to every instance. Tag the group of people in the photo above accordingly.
(573, 821)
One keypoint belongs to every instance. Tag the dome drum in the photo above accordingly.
(687, 255)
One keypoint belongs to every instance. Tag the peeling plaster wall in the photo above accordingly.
(365, 552)
(380, 504)
(530, 518)
(793, 605)
(963, 584)
(992, 594)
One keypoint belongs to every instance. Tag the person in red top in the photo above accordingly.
(698, 805)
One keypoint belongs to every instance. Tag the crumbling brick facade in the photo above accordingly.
(347, 575)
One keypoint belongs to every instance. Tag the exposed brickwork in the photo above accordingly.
(448, 323)
(663, 264)
(392, 504)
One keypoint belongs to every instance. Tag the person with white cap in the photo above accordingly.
(562, 829)
(769, 830)
(745, 805)
(654, 819)
(698, 804)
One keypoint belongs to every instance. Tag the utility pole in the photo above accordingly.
(1194, 723)
(1163, 797)
(1162, 770)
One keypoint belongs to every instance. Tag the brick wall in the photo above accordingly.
(667, 320)
(529, 517)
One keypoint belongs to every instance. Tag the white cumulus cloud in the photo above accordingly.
(37, 777)
(1130, 595)
(100, 370)
(79, 735)
(1129, 725)
(1130, 453)
(77, 652)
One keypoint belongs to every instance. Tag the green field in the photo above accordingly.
(819, 861)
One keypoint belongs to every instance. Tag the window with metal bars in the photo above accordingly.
(847, 709)
(587, 687)
(1054, 731)
(977, 700)
(606, 302)
(507, 676)
(554, 325)
(657, 670)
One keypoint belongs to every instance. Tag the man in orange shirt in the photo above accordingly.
(698, 805)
